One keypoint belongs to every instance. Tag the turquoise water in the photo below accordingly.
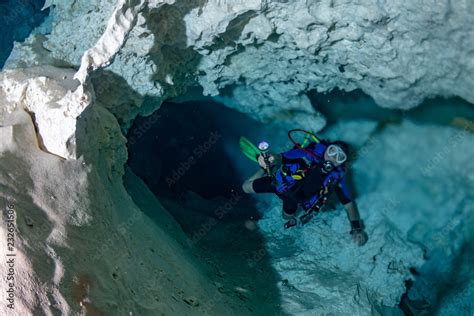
(17, 19)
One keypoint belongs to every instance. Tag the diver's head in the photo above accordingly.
(336, 153)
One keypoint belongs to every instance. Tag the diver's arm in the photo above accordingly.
(353, 214)
(345, 198)
(357, 226)
(359, 236)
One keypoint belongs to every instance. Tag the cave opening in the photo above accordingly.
(190, 146)
(188, 155)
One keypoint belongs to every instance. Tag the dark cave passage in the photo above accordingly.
(188, 155)
(190, 146)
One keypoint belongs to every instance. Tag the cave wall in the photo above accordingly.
(83, 245)
(263, 56)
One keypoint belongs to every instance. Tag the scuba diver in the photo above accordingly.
(306, 176)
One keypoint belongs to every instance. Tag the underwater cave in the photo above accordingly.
(188, 155)
(130, 131)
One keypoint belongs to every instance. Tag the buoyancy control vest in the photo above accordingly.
(311, 176)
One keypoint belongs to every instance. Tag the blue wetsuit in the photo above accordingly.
(305, 191)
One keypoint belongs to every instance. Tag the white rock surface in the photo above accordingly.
(396, 51)
(54, 99)
(119, 26)
(82, 246)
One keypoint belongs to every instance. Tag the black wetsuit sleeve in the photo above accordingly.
(343, 193)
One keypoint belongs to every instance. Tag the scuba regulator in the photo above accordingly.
(327, 166)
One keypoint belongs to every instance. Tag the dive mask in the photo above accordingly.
(337, 153)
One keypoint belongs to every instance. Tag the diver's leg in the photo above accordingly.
(290, 206)
(247, 186)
